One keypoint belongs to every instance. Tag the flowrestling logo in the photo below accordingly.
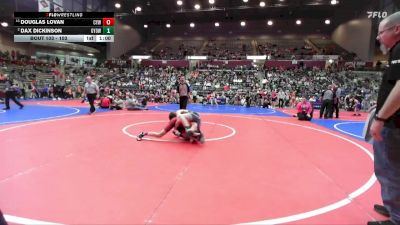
(377, 14)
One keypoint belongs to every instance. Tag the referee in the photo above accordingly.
(184, 90)
(327, 103)
(91, 91)
(11, 93)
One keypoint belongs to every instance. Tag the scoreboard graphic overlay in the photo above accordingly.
(64, 27)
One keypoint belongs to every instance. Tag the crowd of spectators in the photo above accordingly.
(250, 87)
(274, 87)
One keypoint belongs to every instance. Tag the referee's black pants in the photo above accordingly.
(335, 110)
(281, 103)
(12, 95)
(304, 116)
(183, 101)
(326, 108)
(91, 98)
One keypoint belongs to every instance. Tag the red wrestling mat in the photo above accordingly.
(90, 170)
(343, 115)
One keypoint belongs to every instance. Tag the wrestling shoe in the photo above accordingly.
(201, 138)
(176, 133)
(140, 136)
(385, 222)
(381, 210)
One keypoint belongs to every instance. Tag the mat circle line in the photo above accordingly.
(124, 130)
(76, 111)
(300, 216)
(336, 126)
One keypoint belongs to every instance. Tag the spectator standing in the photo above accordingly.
(385, 129)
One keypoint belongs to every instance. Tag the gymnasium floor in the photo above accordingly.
(257, 166)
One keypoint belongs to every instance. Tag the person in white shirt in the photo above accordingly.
(91, 91)
(281, 98)
(194, 96)
(213, 99)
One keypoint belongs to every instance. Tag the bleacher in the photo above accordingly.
(329, 47)
(144, 49)
(228, 49)
(237, 49)
(176, 49)
(284, 48)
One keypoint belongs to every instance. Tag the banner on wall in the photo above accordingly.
(325, 57)
(44, 5)
(212, 66)
(360, 64)
(349, 64)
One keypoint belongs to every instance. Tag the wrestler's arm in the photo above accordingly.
(169, 126)
(182, 118)
(181, 111)
(178, 123)
(157, 134)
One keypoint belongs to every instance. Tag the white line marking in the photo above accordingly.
(46, 118)
(20, 220)
(281, 220)
(336, 126)
(327, 208)
(354, 118)
(124, 130)
(233, 110)
(27, 221)
(340, 117)
(162, 109)
(304, 215)
(266, 113)
(72, 118)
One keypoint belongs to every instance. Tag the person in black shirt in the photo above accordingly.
(248, 100)
(327, 102)
(385, 129)
(336, 101)
(11, 93)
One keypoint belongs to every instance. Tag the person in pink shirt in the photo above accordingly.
(304, 110)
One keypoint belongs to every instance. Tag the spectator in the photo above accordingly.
(117, 104)
(105, 102)
(386, 126)
(304, 110)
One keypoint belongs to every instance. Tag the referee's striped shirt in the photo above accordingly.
(91, 88)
